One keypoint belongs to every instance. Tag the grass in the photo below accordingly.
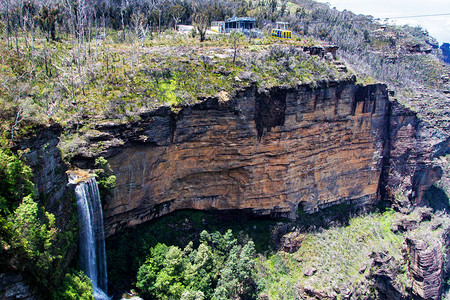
(341, 256)
(116, 80)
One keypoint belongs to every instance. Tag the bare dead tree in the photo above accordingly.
(201, 23)
(18, 119)
(177, 11)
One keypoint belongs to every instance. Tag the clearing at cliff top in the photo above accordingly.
(117, 81)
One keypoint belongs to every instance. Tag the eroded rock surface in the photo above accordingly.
(426, 267)
(12, 286)
(268, 152)
(263, 151)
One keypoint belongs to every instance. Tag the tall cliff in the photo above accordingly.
(270, 152)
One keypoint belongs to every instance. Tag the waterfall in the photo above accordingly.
(92, 236)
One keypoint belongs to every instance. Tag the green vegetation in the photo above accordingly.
(29, 237)
(75, 286)
(105, 177)
(15, 181)
(341, 256)
(179, 229)
(219, 268)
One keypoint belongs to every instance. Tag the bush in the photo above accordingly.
(76, 286)
(105, 179)
(32, 233)
(29, 236)
(15, 181)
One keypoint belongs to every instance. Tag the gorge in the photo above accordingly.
(279, 152)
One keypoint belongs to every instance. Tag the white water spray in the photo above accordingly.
(92, 236)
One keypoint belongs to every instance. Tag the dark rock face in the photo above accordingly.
(49, 176)
(270, 110)
(445, 47)
(12, 286)
(384, 273)
(269, 152)
(412, 146)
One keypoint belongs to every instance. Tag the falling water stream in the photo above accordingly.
(92, 236)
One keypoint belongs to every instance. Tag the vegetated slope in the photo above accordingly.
(117, 81)
(372, 257)
(404, 57)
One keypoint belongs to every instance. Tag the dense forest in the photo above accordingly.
(75, 63)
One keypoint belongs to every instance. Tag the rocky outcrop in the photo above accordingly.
(384, 274)
(41, 153)
(291, 241)
(263, 151)
(426, 267)
(408, 168)
(12, 287)
(268, 152)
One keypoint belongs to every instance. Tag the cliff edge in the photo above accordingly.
(270, 152)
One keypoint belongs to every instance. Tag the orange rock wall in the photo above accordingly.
(266, 152)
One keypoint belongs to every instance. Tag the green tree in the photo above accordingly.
(172, 273)
(105, 177)
(76, 286)
(237, 279)
(200, 272)
(148, 272)
(32, 234)
(169, 281)
(15, 181)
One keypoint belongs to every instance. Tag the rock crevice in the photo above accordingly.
(269, 151)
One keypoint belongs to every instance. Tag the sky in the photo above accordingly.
(437, 26)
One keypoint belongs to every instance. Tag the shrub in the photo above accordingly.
(76, 286)
(32, 233)
(15, 181)
(105, 178)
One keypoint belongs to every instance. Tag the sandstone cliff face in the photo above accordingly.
(426, 267)
(269, 152)
(43, 156)
(408, 168)
(266, 152)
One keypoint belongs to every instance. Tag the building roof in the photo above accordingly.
(235, 19)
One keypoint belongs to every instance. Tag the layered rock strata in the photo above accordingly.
(270, 152)
(412, 145)
(426, 266)
(265, 151)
